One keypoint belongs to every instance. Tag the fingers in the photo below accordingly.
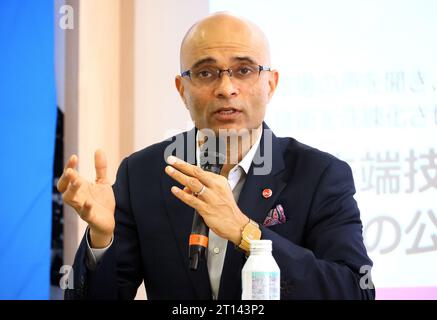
(75, 198)
(206, 178)
(75, 183)
(72, 162)
(100, 164)
(188, 199)
(70, 194)
(68, 176)
(64, 180)
(192, 185)
(188, 190)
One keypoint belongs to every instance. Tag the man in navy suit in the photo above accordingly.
(269, 188)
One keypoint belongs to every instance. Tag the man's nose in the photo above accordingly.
(225, 87)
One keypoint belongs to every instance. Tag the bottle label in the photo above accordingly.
(265, 285)
(275, 286)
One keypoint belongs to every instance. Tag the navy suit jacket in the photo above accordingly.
(319, 248)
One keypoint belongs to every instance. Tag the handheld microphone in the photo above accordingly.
(212, 161)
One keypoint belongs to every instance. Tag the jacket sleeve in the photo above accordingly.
(118, 273)
(329, 266)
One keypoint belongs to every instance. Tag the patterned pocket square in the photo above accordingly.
(275, 216)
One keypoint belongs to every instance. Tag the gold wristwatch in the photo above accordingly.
(250, 231)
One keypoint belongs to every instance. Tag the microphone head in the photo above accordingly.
(213, 154)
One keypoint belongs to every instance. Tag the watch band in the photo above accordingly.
(250, 231)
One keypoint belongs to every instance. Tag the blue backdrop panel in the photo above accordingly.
(27, 135)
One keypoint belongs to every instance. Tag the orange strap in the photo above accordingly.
(197, 239)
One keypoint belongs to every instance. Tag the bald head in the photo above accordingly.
(223, 32)
(223, 42)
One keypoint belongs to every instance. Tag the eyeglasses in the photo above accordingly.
(207, 75)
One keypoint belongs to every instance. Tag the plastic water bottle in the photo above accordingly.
(260, 275)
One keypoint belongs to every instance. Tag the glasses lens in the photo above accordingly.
(246, 73)
(204, 74)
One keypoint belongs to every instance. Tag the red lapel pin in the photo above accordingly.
(267, 193)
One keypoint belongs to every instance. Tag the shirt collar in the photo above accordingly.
(246, 162)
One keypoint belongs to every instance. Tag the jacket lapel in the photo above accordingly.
(181, 217)
(254, 205)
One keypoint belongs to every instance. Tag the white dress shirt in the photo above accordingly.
(216, 245)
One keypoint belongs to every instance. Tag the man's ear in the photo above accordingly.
(273, 82)
(181, 89)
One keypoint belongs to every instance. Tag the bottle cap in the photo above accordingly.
(260, 245)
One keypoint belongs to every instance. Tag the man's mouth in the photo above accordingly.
(226, 114)
(227, 111)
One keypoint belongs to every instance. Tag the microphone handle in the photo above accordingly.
(198, 243)
(198, 240)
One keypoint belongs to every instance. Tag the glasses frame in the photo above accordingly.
(187, 73)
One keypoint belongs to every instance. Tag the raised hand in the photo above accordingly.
(215, 203)
(93, 202)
